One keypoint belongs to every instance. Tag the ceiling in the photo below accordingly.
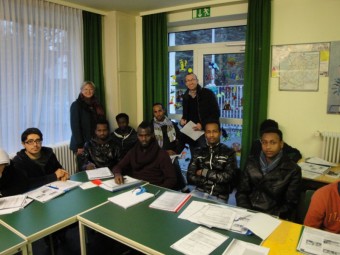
(130, 6)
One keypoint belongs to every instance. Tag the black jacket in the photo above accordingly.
(102, 155)
(125, 143)
(219, 169)
(9, 181)
(33, 174)
(206, 102)
(276, 193)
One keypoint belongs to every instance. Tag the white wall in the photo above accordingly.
(301, 114)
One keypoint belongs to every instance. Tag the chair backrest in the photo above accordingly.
(303, 206)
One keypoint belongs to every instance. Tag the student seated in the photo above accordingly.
(212, 169)
(124, 136)
(324, 209)
(270, 183)
(101, 150)
(37, 165)
(147, 161)
(256, 148)
(9, 178)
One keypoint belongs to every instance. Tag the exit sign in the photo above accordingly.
(201, 13)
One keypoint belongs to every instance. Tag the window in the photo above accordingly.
(41, 69)
(216, 55)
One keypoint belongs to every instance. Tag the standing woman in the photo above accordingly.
(85, 112)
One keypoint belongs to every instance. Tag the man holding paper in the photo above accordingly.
(212, 169)
(199, 104)
(147, 161)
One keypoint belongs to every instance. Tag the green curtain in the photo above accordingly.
(155, 62)
(93, 57)
(257, 61)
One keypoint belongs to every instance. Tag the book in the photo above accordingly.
(111, 185)
(130, 198)
(45, 193)
(170, 201)
(99, 173)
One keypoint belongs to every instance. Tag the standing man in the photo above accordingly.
(270, 183)
(37, 165)
(125, 137)
(101, 150)
(147, 161)
(199, 104)
(212, 168)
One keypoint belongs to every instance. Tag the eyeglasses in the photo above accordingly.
(31, 142)
(269, 143)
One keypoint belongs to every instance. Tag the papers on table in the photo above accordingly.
(99, 173)
(130, 198)
(111, 185)
(210, 215)
(44, 193)
(201, 241)
(318, 169)
(64, 185)
(12, 202)
(238, 247)
(319, 161)
(255, 224)
(188, 130)
(170, 201)
(316, 241)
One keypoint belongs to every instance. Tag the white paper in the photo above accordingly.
(64, 185)
(309, 175)
(88, 185)
(201, 241)
(111, 185)
(12, 202)
(44, 193)
(188, 130)
(316, 241)
(99, 173)
(191, 209)
(238, 247)
(257, 226)
(313, 168)
(319, 161)
(170, 201)
(130, 198)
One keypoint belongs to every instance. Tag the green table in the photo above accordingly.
(11, 243)
(41, 219)
(148, 230)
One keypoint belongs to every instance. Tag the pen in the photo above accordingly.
(53, 187)
(157, 193)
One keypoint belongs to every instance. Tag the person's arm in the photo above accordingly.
(194, 173)
(85, 159)
(118, 169)
(244, 190)
(169, 173)
(316, 212)
(292, 195)
(179, 140)
(224, 175)
(75, 125)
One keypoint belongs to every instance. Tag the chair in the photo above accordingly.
(303, 205)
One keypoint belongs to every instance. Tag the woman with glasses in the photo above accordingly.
(37, 165)
(84, 113)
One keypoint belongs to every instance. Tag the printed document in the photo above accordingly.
(238, 247)
(201, 241)
(316, 241)
(130, 198)
(44, 193)
(111, 185)
(319, 161)
(12, 202)
(170, 201)
(64, 185)
(99, 173)
(188, 130)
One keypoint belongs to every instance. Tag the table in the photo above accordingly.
(148, 230)
(322, 180)
(41, 219)
(11, 243)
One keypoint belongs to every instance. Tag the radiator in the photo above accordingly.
(65, 156)
(331, 146)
